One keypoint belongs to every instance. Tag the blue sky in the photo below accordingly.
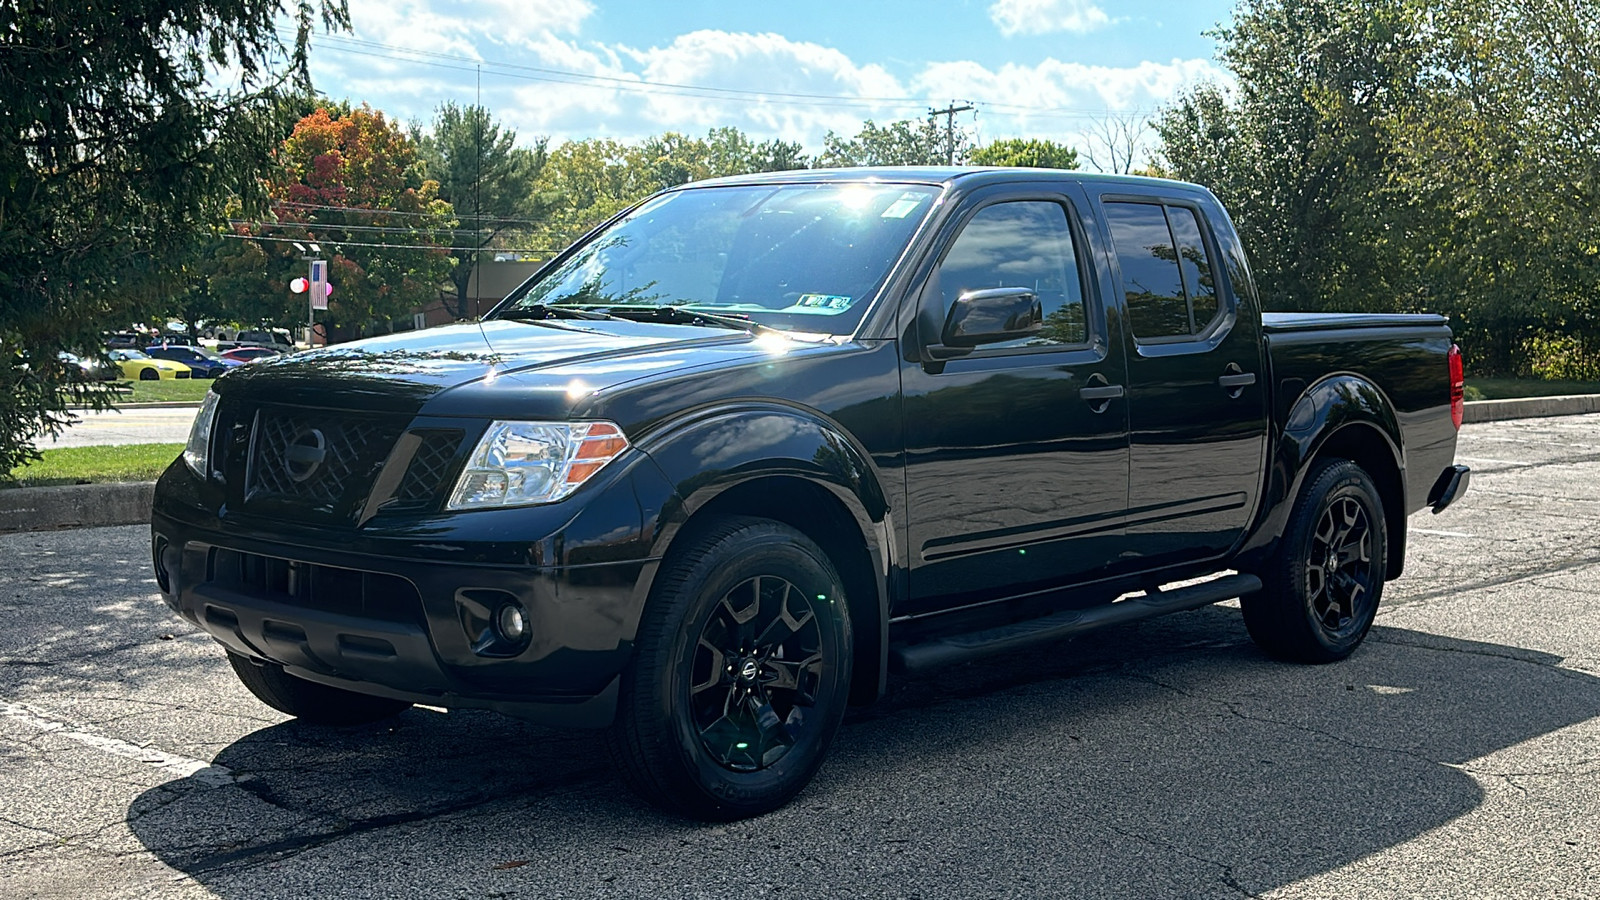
(573, 69)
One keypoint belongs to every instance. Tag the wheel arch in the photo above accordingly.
(778, 463)
(1343, 416)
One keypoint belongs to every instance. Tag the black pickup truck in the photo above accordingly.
(718, 469)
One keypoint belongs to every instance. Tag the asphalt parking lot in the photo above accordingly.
(1456, 755)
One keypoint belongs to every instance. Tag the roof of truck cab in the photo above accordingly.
(966, 176)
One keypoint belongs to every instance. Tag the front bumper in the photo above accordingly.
(387, 621)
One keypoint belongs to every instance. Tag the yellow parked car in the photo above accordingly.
(135, 364)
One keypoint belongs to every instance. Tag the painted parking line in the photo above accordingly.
(171, 763)
(1454, 534)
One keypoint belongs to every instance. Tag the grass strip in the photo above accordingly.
(94, 465)
(164, 391)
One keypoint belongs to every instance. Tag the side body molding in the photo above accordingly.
(1349, 412)
(792, 464)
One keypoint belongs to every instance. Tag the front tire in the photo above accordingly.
(740, 675)
(149, 375)
(1320, 592)
(309, 701)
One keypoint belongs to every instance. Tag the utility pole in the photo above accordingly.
(949, 114)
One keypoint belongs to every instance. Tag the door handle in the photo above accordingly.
(1234, 381)
(1098, 394)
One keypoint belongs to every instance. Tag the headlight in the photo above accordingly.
(196, 452)
(518, 463)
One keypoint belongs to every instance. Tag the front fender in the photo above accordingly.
(1342, 408)
(771, 459)
(720, 449)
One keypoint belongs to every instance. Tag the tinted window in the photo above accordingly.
(1198, 278)
(1166, 272)
(1151, 281)
(1026, 244)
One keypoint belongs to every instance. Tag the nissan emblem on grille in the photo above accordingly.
(304, 455)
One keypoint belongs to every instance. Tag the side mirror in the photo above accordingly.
(992, 315)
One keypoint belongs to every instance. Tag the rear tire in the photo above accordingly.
(309, 701)
(740, 674)
(1321, 591)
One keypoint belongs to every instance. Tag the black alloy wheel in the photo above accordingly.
(740, 674)
(1320, 593)
(756, 671)
(1339, 572)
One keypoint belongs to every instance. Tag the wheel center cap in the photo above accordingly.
(749, 669)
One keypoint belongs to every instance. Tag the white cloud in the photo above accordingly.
(1046, 16)
(805, 89)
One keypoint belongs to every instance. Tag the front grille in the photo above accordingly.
(316, 461)
(183, 374)
(430, 469)
(328, 588)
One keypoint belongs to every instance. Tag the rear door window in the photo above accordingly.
(1167, 276)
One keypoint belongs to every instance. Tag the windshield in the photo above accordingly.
(128, 354)
(798, 257)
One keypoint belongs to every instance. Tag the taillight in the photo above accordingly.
(1458, 387)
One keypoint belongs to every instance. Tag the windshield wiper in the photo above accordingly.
(539, 311)
(677, 315)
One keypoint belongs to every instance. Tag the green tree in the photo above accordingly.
(123, 130)
(1034, 153)
(1498, 178)
(905, 143)
(490, 182)
(1298, 152)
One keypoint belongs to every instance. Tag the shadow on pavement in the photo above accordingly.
(1168, 759)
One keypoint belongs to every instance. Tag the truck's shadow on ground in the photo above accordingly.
(1162, 760)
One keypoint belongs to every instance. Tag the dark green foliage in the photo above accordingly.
(906, 143)
(114, 150)
(490, 182)
(1032, 153)
(1411, 155)
(1297, 153)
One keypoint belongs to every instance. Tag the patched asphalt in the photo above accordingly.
(1457, 755)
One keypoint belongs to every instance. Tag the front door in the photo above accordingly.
(1017, 455)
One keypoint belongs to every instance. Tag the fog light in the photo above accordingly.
(512, 623)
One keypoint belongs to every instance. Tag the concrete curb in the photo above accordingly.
(154, 404)
(75, 506)
(1531, 408)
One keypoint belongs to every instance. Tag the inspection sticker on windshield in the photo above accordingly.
(902, 207)
(827, 304)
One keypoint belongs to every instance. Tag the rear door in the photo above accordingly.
(1016, 475)
(1196, 380)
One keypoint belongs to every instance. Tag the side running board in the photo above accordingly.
(1069, 623)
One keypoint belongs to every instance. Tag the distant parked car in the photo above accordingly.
(276, 339)
(205, 363)
(125, 340)
(135, 364)
(92, 369)
(249, 354)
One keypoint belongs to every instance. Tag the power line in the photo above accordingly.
(252, 237)
(376, 49)
(368, 210)
(375, 229)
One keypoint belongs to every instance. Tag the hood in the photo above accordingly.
(501, 364)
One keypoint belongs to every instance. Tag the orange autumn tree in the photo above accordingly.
(350, 180)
